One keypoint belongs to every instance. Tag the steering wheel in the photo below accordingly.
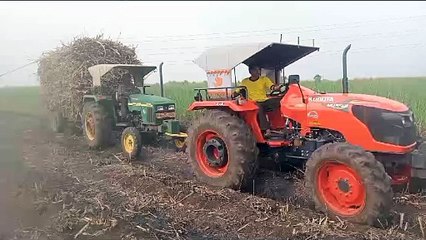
(242, 93)
(280, 91)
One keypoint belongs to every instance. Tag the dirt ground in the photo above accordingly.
(54, 187)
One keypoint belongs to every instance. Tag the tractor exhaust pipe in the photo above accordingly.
(161, 80)
(345, 81)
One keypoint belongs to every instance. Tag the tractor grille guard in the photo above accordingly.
(390, 127)
(225, 93)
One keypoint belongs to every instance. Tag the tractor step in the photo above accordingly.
(277, 138)
(275, 135)
(278, 143)
(122, 124)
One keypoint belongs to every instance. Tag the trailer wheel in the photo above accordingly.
(131, 142)
(97, 125)
(57, 122)
(222, 150)
(348, 182)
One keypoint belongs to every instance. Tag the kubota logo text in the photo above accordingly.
(321, 99)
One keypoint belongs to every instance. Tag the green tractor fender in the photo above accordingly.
(106, 102)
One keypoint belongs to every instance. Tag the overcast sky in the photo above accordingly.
(388, 38)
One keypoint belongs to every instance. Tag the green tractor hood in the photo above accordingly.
(152, 99)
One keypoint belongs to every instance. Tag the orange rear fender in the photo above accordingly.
(247, 106)
(247, 111)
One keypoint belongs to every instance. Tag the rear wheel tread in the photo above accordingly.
(103, 125)
(238, 137)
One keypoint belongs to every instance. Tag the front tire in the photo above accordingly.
(180, 144)
(348, 182)
(131, 142)
(222, 150)
(97, 125)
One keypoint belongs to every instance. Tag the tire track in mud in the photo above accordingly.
(98, 196)
(16, 208)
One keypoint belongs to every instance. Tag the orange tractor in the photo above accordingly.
(354, 146)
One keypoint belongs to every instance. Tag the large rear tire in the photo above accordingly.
(97, 125)
(348, 182)
(222, 150)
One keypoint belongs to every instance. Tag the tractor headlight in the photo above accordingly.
(171, 107)
(160, 108)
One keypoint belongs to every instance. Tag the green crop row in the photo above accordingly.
(411, 91)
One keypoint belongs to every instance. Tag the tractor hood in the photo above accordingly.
(154, 100)
(360, 99)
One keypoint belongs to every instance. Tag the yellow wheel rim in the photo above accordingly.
(179, 143)
(90, 126)
(129, 143)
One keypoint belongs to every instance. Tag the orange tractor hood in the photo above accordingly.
(364, 100)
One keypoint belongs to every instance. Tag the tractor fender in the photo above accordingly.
(248, 111)
(104, 101)
(247, 106)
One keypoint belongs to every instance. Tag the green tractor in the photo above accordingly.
(131, 111)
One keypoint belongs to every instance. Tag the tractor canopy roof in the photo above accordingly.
(265, 55)
(137, 71)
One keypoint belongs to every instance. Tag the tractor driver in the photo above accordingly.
(257, 87)
(125, 88)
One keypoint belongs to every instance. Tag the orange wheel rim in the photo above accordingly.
(90, 126)
(341, 188)
(211, 154)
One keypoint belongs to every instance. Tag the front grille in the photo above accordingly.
(150, 115)
(165, 115)
(388, 126)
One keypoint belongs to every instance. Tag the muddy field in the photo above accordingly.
(54, 187)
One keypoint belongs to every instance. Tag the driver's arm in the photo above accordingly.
(238, 90)
(269, 85)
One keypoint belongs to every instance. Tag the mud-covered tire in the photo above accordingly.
(131, 143)
(101, 135)
(57, 122)
(370, 173)
(180, 144)
(241, 149)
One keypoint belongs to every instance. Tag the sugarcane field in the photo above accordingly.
(212, 120)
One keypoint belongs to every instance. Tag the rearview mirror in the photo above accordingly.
(144, 88)
(293, 79)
